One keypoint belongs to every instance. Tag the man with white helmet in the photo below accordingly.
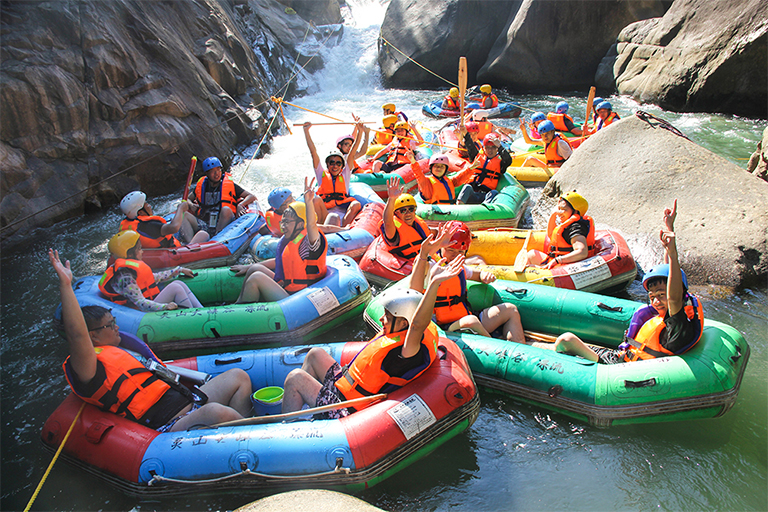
(154, 230)
(404, 348)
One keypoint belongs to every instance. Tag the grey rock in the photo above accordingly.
(701, 56)
(632, 170)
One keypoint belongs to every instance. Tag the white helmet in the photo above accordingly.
(479, 115)
(402, 303)
(439, 158)
(132, 203)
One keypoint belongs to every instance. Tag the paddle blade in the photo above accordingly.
(462, 85)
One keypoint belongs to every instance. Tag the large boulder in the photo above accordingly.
(101, 98)
(557, 45)
(701, 56)
(632, 170)
(436, 34)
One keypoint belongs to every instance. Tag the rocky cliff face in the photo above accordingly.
(700, 56)
(632, 170)
(92, 89)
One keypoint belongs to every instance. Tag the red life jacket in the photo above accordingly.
(559, 121)
(364, 376)
(384, 136)
(144, 278)
(273, 221)
(333, 190)
(493, 98)
(451, 103)
(442, 191)
(489, 173)
(451, 301)
(559, 245)
(410, 237)
(226, 196)
(128, 389)
(613, 116)
(647, 344)
(397, 154)
(149, 243)
(551, 154)
(294, 273)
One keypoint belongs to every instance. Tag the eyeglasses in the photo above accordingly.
(112, 325)
(335, 163)
(407, 209)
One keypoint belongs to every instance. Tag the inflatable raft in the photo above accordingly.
(702, 383)
(224, 248)
(611, 269)
(340, 295)
(504, 110)
(352, 453)
(506, 209)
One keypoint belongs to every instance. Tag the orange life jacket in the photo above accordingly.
(647, 345)
(227, 195)
(451, 103)
(559, 245)
(484, 128)
(273, 221)
(493, 98)
(489, 173)
(550, 151)
(144, 278)
(398, 154)
(559, 121)
(333, 190)
(410, 237)
(364, 376)
(384, 136)
(442, 191)
(294, 273)
(451, 301)
(129, 389)
(150, 243)
(613, 116)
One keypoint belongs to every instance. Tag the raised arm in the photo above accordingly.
(313, 233)
(429, 247)
(311, 145)
(394, 189)
(416, 133)
(425, 186)
(82, 356)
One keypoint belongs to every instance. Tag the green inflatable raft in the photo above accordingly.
(702, 383)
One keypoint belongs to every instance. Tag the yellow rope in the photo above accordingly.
(55, 457)
(410, 59)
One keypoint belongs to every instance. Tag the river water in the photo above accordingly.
(515, 457)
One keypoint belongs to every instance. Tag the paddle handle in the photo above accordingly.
(338, 122)
(590, 100)
(462, 86)
(191, 174)
(277, 418)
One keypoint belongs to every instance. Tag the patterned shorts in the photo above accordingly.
(609, 355)
(330, 394)
(168, 426)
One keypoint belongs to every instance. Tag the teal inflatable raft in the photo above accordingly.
(702, 383)
(221, 325)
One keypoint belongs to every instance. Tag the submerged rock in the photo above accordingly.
(701, 56)
(632, 170)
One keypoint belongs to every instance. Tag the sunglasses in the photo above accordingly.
(407, 209)
(111, 325)
(335, 163)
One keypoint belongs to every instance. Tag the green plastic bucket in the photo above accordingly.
(267, 401)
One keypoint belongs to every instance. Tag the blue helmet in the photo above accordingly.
(210, 163)
(562, 107)
(661, 271)
(604, 104)
(596, 102)
(538, 116)
(277, 197)
(546, 126)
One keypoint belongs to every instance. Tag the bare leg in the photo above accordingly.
(470, 322)
(225, 217)
(507, 315)
(569, 343)
(320, 209)
(352, 211)
(260, 287)
(229, 398)
(303, 385)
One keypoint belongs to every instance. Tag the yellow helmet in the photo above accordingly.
(404, 200)
(388, 106)
(121, 243)
(389, 120)
(401, 124)
(300, 209)
(576, 201)
(454, 92)
(485, 89)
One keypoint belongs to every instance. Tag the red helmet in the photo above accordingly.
(491, 139)
(472, 126)
(461, 237)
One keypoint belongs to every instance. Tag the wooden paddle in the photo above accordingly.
(462, 86)
(522, 256)
(277, 418)
(590, 99)
(191, 174)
